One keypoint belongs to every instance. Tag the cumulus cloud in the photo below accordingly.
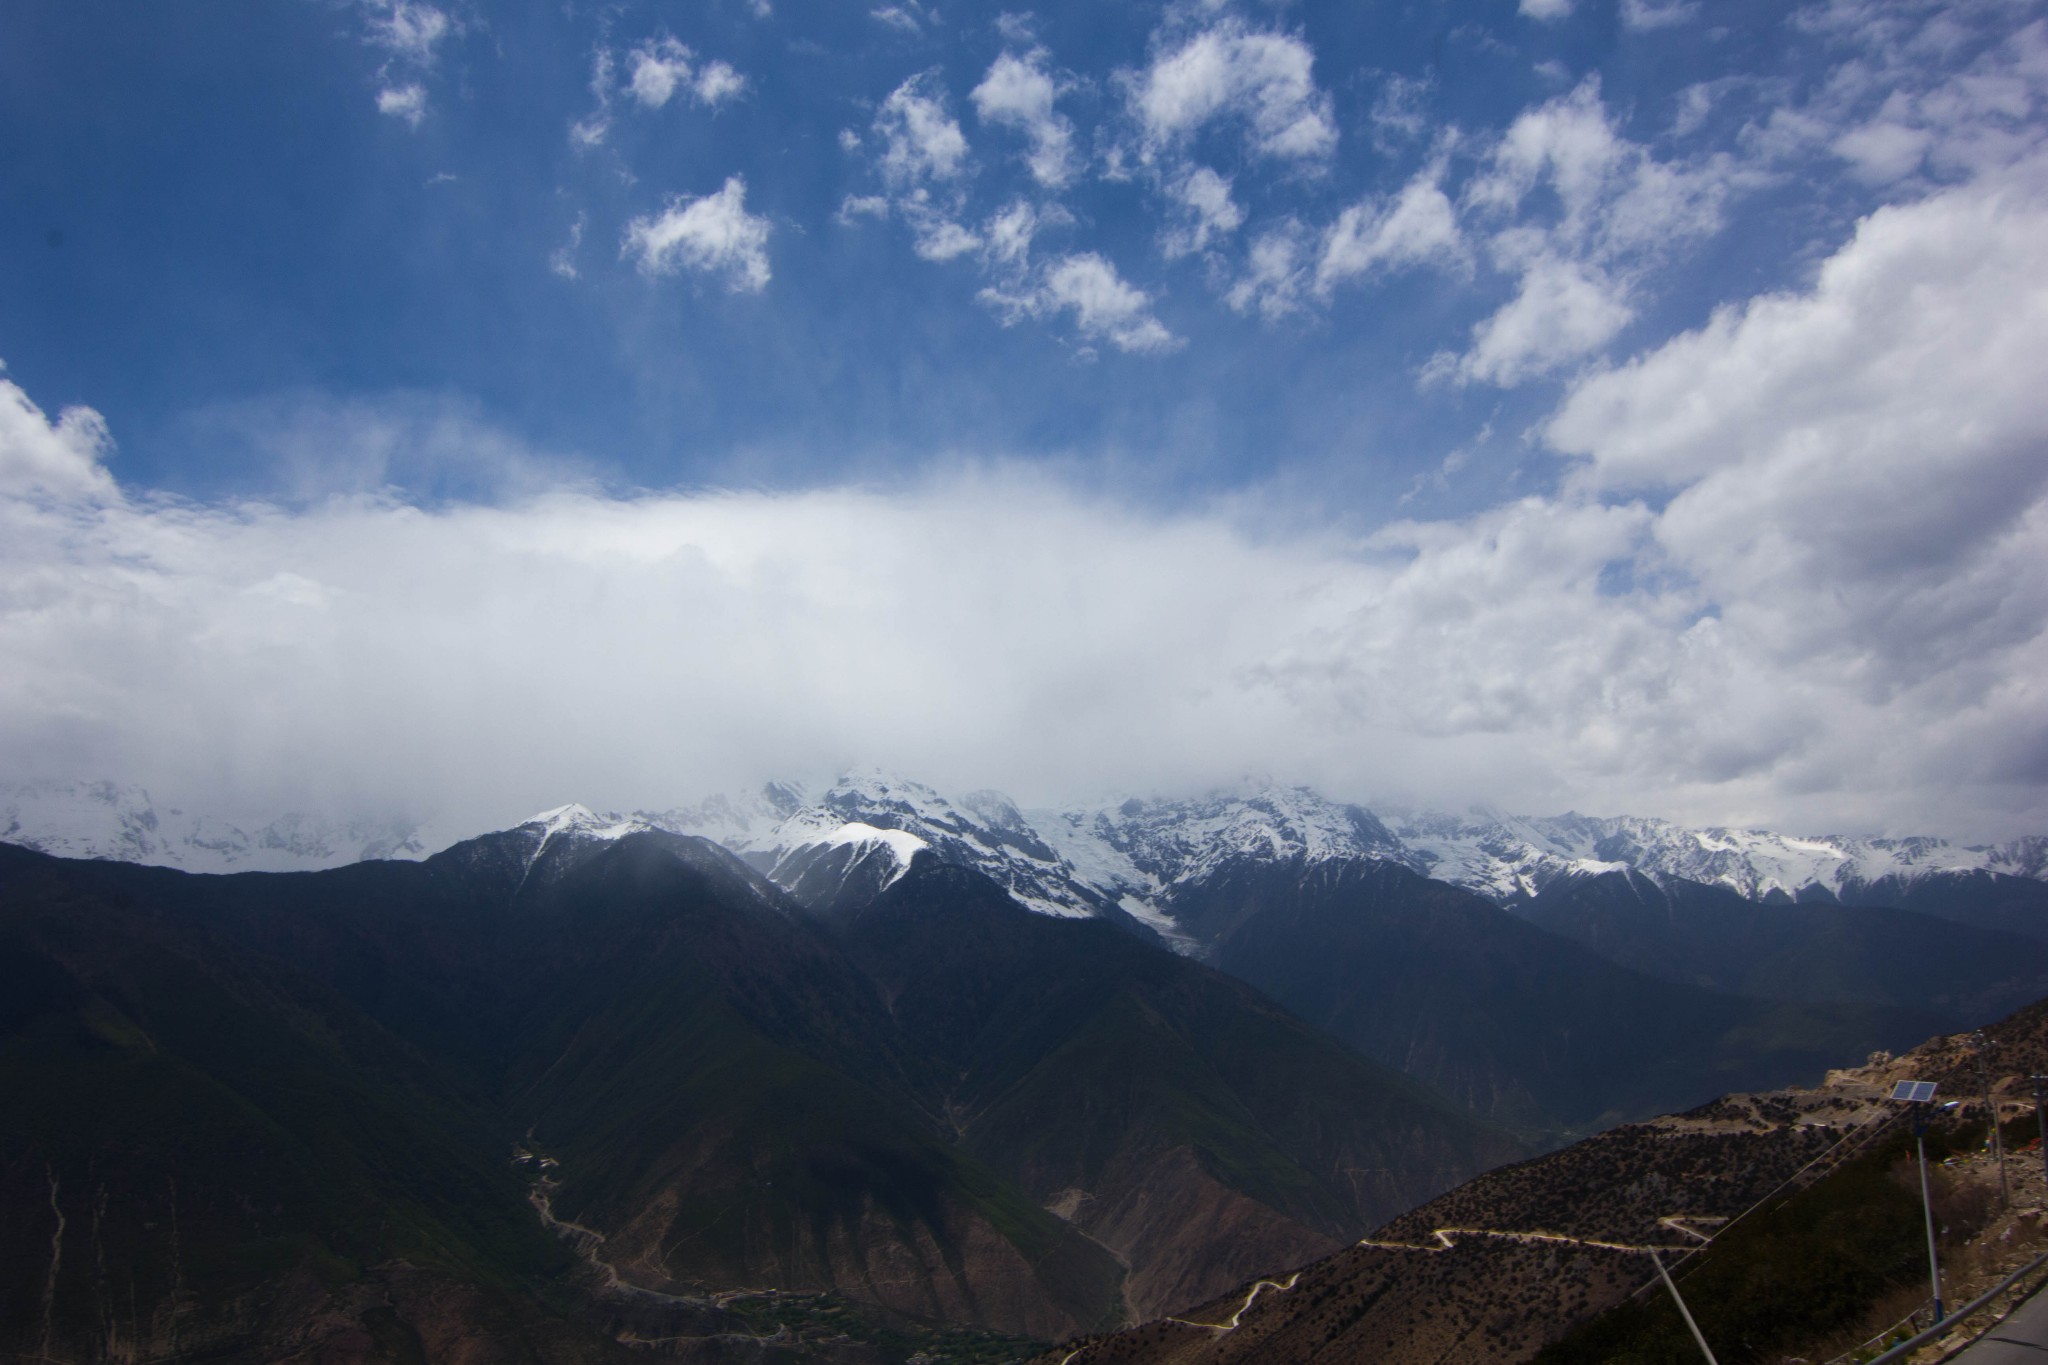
(406, 29)
(1274, 280)
(661, 68)
(1546, 10)
(1288, 267)
(408, 33)
(922, 142)
(1018, 93)
(406, 103)
(44, 459)
(1103, 305)
(1794, 577)
(713, 234)
(1860, 469)
(1206, 211)
(1613, 210)
(1419, 226)
(1260, 79)
(1563, 311)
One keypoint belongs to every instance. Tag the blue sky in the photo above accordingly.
(1530, 384)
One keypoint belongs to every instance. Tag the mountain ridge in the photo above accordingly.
(1092, 859)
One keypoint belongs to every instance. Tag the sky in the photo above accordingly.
(457, 408)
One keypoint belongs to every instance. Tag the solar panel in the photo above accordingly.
(1914, 1092)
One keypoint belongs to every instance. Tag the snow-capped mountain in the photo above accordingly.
(1509, 858)
(1089, 859)
(983, 830)
(106, 820)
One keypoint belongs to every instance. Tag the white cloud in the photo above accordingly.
(661, 68)
(406, 29)
(1103, 305)
(1645, 15)
(1018, 93)
(39, 458)
(407, 32)
(714, 234)
(562, 261)
(1398, 116)
(922, 141)
(1950, 91)
(1419, 226)
(1287, 267)
(1546, 10)
(1010, 232)
(855, 207)
(904, 18)
(1859, 479)
(1826, 609)
(1614, 211)
(1264, 80)
(591, 130)
(718, 82)
(1275, 276)
(1207, 211)
(1563, 311)
(942, 239)
(406, 103)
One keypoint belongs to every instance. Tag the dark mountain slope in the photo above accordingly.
(1162, 1104)
(1527, 1027)
(1985, 900)
(732, 1089)
(1678, 930)
(721, 1091)
(199, 1147)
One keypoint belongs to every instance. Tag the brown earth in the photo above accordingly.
(1502, 1265)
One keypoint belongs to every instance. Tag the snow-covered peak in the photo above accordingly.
(124, 823)
(583, 822)
(1089, 859)
(1173, 841)
(981, 830)
(900, 844)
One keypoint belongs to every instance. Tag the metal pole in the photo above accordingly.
(1683, 1311)
(1984, 1046)
(1927, 1203)
(2041, 1122)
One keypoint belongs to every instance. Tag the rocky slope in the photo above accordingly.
(1509, 1263)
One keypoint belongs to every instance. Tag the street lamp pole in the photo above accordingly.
(2041, 1120)
(1984, 1046)
(1927, 1204)
(1918, 1097)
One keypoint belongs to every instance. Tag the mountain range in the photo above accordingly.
(1093, 858)
(1503, 962)
(249, 1105)
(725, 1073)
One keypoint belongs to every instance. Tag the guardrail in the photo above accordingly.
(1957, 1318)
